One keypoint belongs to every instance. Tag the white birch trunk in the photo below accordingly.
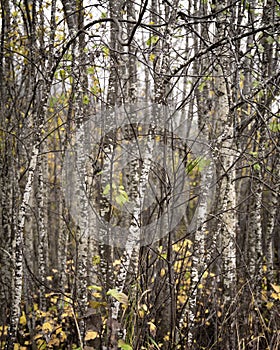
(42, 238)
(18, 271)
(199, 261)
(227, 154)
(199, 255)
(255, 227)
(44, 90)
(82, 229)
(271, 226)
(134, 236)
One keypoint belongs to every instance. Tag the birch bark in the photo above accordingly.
(41, 90)
(226, 151)
(18, 272)
(271, 226)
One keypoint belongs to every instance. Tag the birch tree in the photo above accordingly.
(84, 172)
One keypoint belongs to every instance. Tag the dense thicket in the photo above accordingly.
(212, 280)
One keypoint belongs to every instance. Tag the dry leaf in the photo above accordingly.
(90, 335)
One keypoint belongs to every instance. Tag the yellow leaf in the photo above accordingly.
(47, 327)
(4, 330)
(54, 341)
(152, 327)
(59, 121)
(16, 346)
(276, 288)
(47, 295)
(67, 300)
(119, 296)
(54, 299)
(188, 243)
(269, 305)
(97, 295)
(41, 344)
(62, 336)
(144, 307)
(117, 262)
(96, 304)
(90, 335)
(96, 260)
(38, 336)
(162, 272)
(182, 299)
(177, 265)
(22, 319)
(166, 337)
(152, 57)
(98, 288)
(211, 93)
(275, 296)
(158, 138)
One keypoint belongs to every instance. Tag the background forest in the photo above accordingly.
(211, 280)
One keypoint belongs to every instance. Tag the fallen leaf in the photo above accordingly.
(90, 335)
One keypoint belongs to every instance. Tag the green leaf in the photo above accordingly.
(260, 48)
(202, 163)
(257, 167)
(86, 100)
(254, 154)
(123, 345)
(107, 189)
(274, 126)
(106, 51)
(122, 196)
(152, 40)
(270, 40)
(154, 343)
(96, 259)
(52, 101)
(201, 86)
(119, 296)
(62, 74)
(90, 70)
(98, 288)
(192, 164)
(121, 200)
